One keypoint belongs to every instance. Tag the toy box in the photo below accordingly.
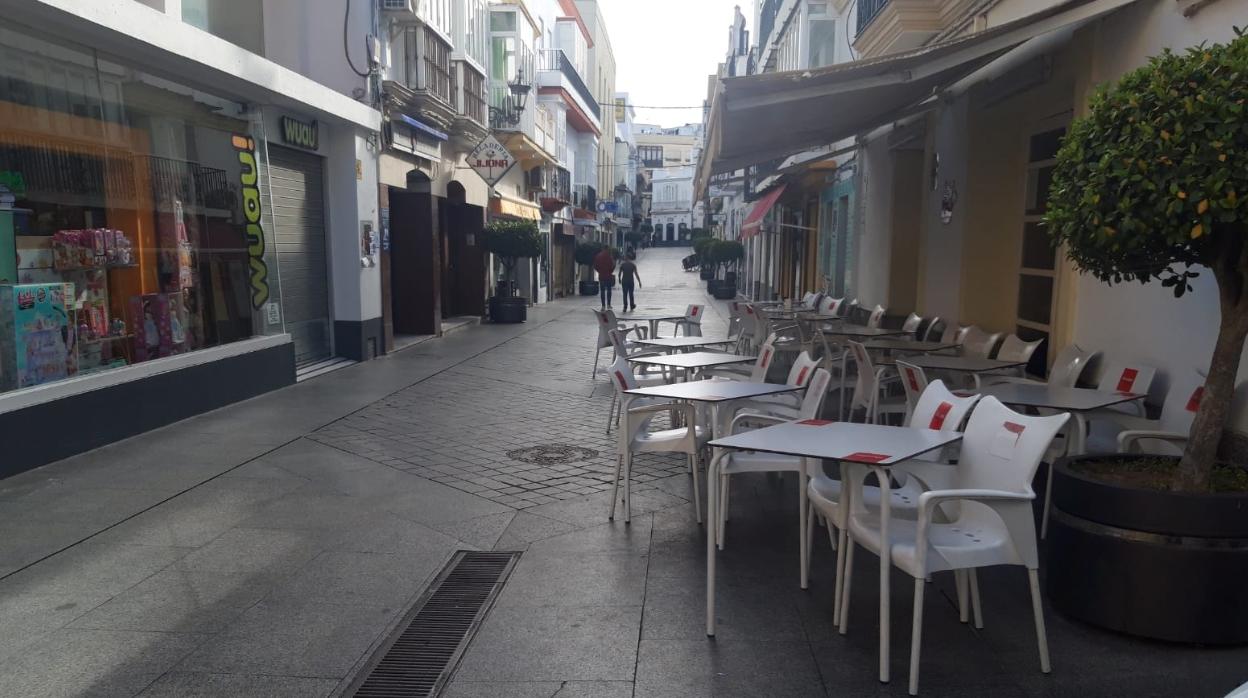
(150, 318)
(36, 336)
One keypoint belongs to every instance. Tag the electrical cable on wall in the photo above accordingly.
(346, 21)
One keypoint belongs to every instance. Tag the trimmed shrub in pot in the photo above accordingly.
(1148, 187)
(511, 241)
(584, 256)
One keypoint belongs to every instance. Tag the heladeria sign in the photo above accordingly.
(491, 160)
(300, 133)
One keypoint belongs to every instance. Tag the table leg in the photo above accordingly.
(712, 521)
(886, 568)
(802, 515)
(841, 393)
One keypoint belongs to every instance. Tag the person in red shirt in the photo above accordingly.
(604, 264)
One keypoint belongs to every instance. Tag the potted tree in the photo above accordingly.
(1147, 188)
(510, 241)
(702, 250)
(727, 254)
(634, 238)
(584, 256)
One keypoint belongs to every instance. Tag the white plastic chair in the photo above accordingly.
(623, 378)
(867, 384)
(756, 373)
(876, 316)
(737, 462)
(935, 330)
(784, 405)
(747, 327)
(993, 523)
(1169, 434)
(975, 342)
(1119, 377)
(912, 324)
(607, 321)
(734, 318)
(829, 305)
(691, 323)
(655, 376)
(635, 437)
(914, 381)
(938, 409)
(1067, 367)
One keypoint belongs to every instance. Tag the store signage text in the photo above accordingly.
(491, 160)
(250, 179)
(300, 133)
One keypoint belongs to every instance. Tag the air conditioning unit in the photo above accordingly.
(401, 10)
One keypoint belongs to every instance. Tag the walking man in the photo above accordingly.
(604, 264)
(628, 274)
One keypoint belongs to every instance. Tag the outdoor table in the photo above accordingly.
(875, 446)
(678, 343)
(863, 332)
(908, 345)
(956, 364)
(694, 361)
(653, 321)
(1076, 401)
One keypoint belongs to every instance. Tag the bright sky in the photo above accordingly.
(664, 51)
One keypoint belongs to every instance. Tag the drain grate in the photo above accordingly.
(428, 643)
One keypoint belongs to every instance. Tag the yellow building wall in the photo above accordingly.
(903, 286)
(993, 197)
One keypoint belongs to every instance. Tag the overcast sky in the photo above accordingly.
(664, 51)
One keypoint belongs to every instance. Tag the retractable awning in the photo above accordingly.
(754, 220)
(764, 117)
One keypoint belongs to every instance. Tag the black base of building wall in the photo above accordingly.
(359, 340)
(116, 412)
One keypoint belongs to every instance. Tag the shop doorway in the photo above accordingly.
(296, 199)
(415, 260)
(463, 258)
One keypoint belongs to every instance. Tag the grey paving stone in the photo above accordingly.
(292, 639)
(179, 600)
(91, 568)
(26, 617)
(255, 551)
(201, 685)
(481, 532)
(554, 643)
(93, 663)
(577, 579)
(706, 667)
(355, 578)
(539, 689)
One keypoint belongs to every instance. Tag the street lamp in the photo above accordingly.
(514, 104)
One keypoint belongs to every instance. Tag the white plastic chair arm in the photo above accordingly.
(767, 418)
(1127, 439)
(928, 500)
(639, 329)
(1122, 419)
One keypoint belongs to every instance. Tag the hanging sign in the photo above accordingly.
(491, 160)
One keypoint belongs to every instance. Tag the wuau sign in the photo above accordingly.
(491, 160)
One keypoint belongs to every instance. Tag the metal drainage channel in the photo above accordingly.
(417, 660)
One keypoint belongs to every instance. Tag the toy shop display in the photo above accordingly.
(37, 338)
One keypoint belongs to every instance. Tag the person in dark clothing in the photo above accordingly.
(604, 264)
(628, 274)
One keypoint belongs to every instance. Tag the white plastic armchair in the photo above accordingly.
(785, 405)
(623, 378)
(876, 317)
(975, 342)
(635, 437)
(756, 373)
(691, 323)
(1169, 434)
(606, 322)
(994, 523)
(912, 324)
(1067, 367)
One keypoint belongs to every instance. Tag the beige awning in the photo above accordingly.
(758, 118)
(512, 207)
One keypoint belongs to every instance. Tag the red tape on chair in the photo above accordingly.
(1193, 403)
(1127, 379)
(938, 418)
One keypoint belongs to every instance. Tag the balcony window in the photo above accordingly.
(822, 46)
(240, 22)
(867, 10)
(428, 62)
(503, 21)
(473, 95)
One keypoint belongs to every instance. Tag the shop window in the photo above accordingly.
(131, 227)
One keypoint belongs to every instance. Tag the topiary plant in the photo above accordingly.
(1147, 187)
(512, 241)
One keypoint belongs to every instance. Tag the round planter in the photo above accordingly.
(707, 274)
(508, 309)
(724, 290)
(730, 277)
(589, 288)
(1163, 565)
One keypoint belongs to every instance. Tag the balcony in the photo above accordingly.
(585, 197)
(558, 192)
(889, 26)
(468, 94)
(556, 73)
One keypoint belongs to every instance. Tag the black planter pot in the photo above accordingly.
(1163, 565)
(589, 288)
(707, 274)
(508, 309)
(730, 277)
(724, 290)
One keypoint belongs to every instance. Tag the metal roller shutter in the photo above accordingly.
(298, 206)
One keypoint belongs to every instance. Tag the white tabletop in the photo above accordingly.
(713, 391)
(862, 331)
(874, 444)
(908, 345)
(966, 364)
(697, 359)
(1057, 398)
(650, 318)
(681, 342)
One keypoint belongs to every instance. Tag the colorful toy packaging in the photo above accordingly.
(35, 316)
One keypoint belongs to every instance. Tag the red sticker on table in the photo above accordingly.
(815, 422)
(938, 419)
(1127, 379)
(1193, 403)
(862, 457)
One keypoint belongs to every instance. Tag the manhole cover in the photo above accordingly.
(552, 454)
